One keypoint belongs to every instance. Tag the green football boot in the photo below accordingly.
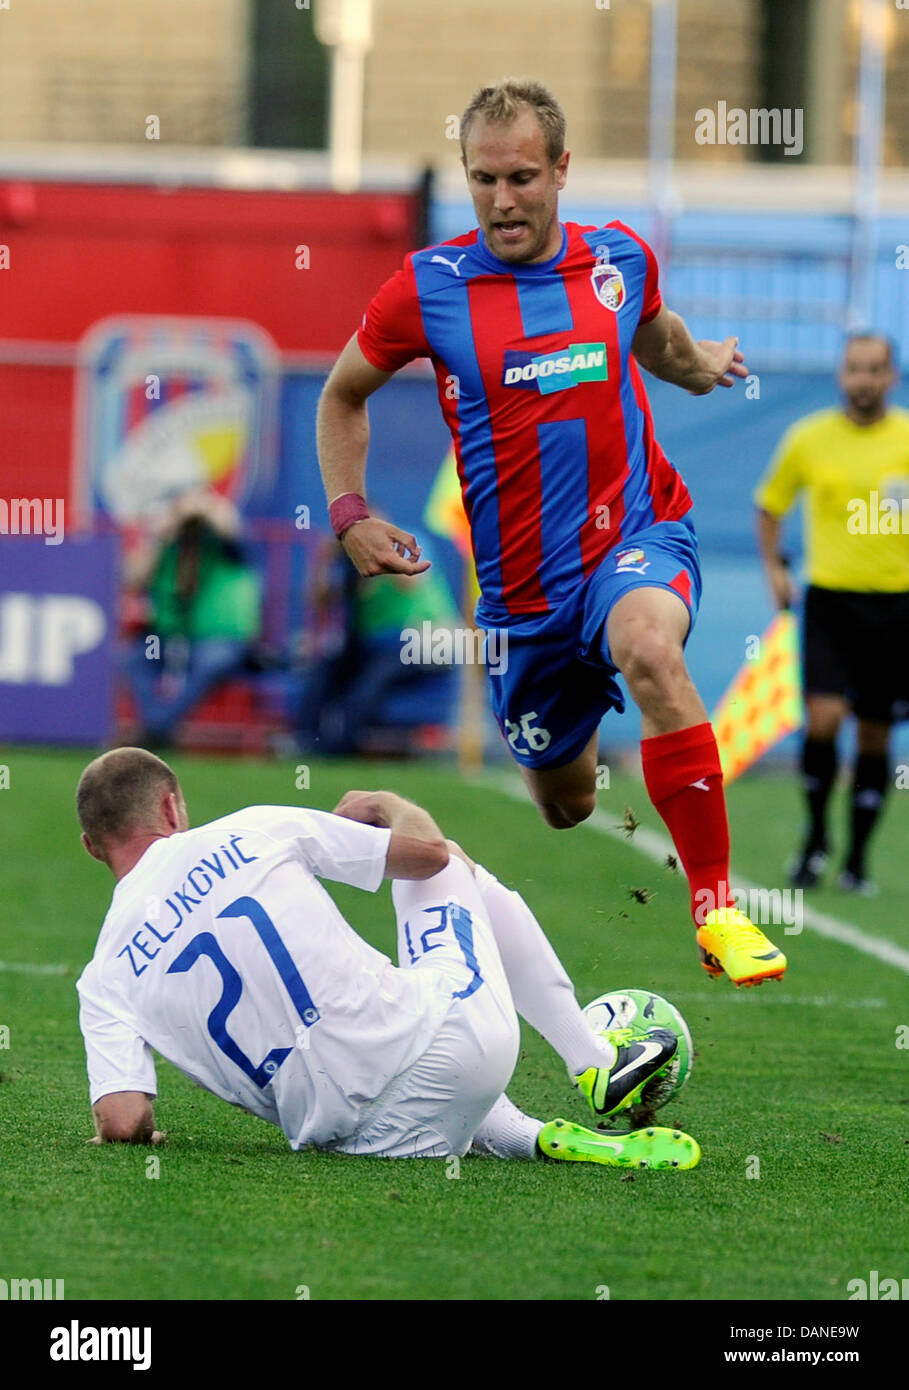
(656, 1147)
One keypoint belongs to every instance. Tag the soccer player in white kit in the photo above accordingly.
(223, 952)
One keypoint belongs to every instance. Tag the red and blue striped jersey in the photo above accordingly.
(545, 403)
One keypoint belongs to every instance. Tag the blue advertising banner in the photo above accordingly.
(57, 630)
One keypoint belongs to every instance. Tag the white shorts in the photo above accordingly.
(433, 1109)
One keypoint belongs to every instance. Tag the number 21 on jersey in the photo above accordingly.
(206, 944)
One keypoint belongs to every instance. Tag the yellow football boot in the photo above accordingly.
(729, 941)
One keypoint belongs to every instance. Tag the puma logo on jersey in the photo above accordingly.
(453, 265)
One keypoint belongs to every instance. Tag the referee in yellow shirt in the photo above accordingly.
(852, 464)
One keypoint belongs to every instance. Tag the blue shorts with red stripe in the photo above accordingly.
(553, 679)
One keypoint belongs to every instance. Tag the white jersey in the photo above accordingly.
(222, 951)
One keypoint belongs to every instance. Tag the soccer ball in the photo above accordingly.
(640, 1009)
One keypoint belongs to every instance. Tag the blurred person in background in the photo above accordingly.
(204, 607)
(852, 464)
(360, 649)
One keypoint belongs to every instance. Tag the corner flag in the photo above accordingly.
(764, 703)
(444, 514)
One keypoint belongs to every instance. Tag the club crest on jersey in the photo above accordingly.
(631, 560)
(608, 286)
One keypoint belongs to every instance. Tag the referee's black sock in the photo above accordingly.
(868, 791)
(818, 776)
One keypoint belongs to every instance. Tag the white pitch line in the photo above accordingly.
(820, 1001)
(656, 847)
(25, 967)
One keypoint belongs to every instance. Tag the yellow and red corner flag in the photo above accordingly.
(444, 511)
(444, 514)
(764, 702)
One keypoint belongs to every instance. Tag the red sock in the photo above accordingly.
(683, 776)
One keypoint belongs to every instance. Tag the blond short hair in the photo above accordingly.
(504, 102)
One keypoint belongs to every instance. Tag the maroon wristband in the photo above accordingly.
(345, 510)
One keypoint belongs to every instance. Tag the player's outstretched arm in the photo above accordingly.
(342, 430)
(417, 848)
(666, 349)
(125, 1117)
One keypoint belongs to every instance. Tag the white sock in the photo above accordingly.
(542, 991)
(507, 1132)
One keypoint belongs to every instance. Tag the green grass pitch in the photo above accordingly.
(805, 1077)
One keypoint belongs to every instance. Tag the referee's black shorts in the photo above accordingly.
(857, 645)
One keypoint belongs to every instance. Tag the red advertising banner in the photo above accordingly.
(297, 266)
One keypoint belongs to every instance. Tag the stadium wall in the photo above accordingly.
(291, 263)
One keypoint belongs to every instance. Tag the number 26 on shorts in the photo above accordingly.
(535, 739)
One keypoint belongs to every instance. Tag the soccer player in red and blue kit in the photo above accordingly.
(585, 551)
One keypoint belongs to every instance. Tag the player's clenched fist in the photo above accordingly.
(378, 547)
(362, 806)
(390, 811)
